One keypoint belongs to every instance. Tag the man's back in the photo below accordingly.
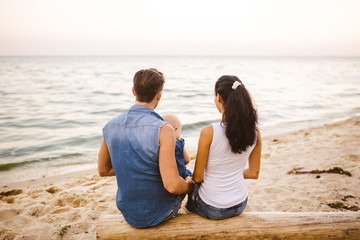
(133, 142)
(138, 147)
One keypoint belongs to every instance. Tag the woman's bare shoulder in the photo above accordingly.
(207, 131)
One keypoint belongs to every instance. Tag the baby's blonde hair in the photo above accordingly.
(173, 120)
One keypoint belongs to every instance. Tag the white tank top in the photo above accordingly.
(224, 185)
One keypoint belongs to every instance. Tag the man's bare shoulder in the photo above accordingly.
(166, 133)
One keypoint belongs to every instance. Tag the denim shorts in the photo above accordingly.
(174, 210)
(196, 205)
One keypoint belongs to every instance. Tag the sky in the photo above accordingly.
(186, 27)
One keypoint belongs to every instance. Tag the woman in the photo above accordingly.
(223, 151)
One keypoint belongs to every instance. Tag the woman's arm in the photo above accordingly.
(254, 160)
(104, 162)
(202, 155)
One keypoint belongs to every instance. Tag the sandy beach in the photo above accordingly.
(312, 170)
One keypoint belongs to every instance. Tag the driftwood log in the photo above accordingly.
(249, 225)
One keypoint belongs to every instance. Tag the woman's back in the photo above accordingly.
(223, 185)
(224, 149)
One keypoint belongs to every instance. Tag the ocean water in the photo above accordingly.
(52, 109)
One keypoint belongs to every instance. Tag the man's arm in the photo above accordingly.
(254, 160)
(104, 162)
(173, 183)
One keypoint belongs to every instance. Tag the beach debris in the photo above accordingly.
(346, 197)
(340, 205)
(10, 200)
(337, 170)
(7, 234)
(64, 229)
(52, 190)
(11, 192)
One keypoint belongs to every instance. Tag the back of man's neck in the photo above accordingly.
(151, 105)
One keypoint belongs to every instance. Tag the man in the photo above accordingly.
(138, 147)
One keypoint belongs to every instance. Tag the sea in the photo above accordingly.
(53, 109)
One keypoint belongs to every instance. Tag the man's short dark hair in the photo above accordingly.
(147, 83)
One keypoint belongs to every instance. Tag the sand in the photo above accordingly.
(69, 206)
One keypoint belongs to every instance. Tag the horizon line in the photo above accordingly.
(182, 55)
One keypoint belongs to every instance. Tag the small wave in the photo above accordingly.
(6, 117)
(191, 127)
(8, 166)
(42, 124)
(356, 110)
(192, 95)
(112, 111)
(77, 163)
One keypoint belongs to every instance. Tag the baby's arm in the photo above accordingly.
(186, 156)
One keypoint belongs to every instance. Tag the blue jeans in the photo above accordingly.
(174, 210)
(196, 205)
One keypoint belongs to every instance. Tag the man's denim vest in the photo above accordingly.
(133, 142)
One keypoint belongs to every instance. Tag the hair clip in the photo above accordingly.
(236, 84)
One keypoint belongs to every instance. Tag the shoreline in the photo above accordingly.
(316, 123)
(68, 206)
(51, 179)
(192, 141)
(91, 171)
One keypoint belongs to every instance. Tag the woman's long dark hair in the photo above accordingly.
(240, 116)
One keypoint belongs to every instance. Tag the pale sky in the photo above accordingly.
(186, 27)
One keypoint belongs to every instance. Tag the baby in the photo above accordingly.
(181, 155)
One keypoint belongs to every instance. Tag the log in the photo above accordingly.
(249, 225)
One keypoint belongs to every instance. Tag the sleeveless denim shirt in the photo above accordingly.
(133, 142)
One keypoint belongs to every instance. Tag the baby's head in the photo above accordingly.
(175, 123)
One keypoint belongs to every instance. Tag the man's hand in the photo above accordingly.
(190, 183)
